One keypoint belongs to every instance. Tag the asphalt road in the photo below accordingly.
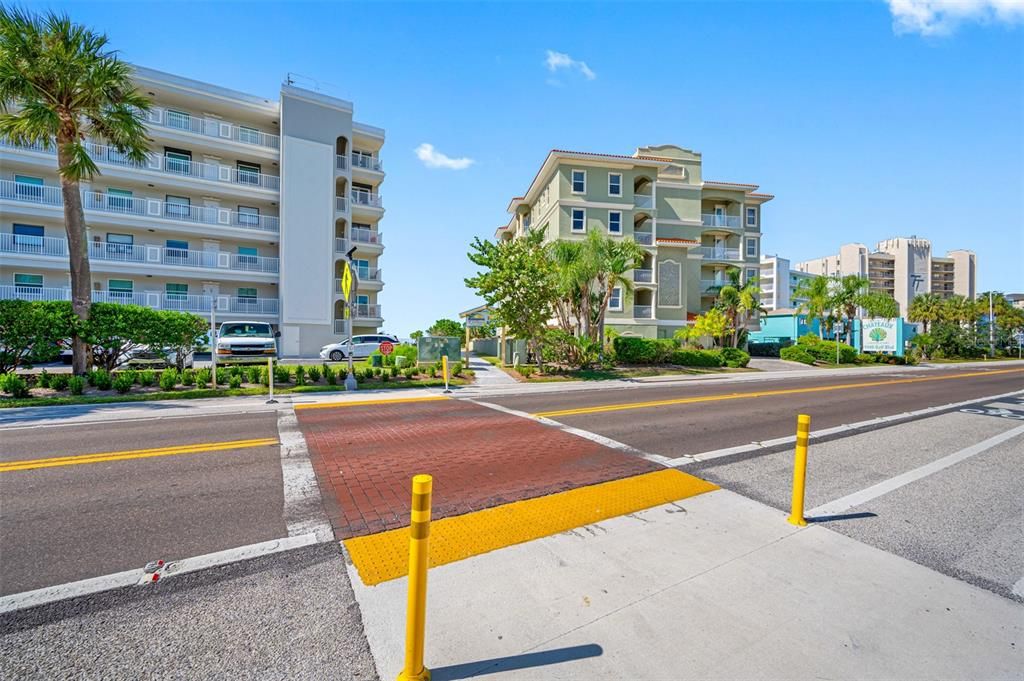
(692, 418)
(71, 522)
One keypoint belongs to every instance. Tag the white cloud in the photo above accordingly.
(432, 158)
(560, 60)
(941, 17)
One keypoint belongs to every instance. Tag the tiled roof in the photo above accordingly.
(591, 153)
(674, 240)
(732, 184)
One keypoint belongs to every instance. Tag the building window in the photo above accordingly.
(176, 249)
(27, 282)
(614, 184)
(177, 206)
(28, 188)
(751, 247)
(178, 161)
(751, 274)
(248, 173)
(615, 300)
(579, 220)
(579, 182)
(28, 238)
(247, 256)
(119, 200)
(248, 135)
(176, 291)
(614, 222)
(182, 120)
(362, 268)
(247, 298)
(247, 292)
(120, 289)
(751, 217)
(248, 217)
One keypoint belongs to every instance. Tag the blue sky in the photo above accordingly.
(866, 121)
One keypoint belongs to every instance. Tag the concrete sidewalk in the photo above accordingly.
(714, 587)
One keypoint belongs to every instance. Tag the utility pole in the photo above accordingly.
(991, 327)
(350, 380)
(213, 339)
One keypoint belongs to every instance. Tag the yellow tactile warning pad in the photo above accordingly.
(384, 556)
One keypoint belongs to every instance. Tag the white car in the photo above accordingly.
(245, 342)
(363, 346)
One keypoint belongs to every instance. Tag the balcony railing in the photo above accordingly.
(361, 197)
(719, 253)
(341, 204)
(644, 238)
(140, 207)
(365, 236)
(643, 312)
(173, 166)
(366, 311)
(210, 127)
(366, 162)
(643, 276)
(143, 254)
(341, 245)
(645, 201)
(709, 284)
(340, 162)
(365, 274)
(180, 302)
(715, 220)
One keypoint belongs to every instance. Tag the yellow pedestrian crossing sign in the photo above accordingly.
(346, 283)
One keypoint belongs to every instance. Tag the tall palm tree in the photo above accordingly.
(737, 299)
(59, 84)
(815, 291)
(574, 270)
(615, 258)
(926, 309)
(846, 295)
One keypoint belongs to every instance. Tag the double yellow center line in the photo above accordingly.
(761, 393)
(31, 464)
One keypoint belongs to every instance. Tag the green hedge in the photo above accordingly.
(825, 350)
(797, 353)
(697, 358)
(768, 349)
(735, 358)
(636, 350)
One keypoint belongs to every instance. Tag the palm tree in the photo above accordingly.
(846, 295)
(573, 272)
(737, 299)
(926, 309)
(818, 306)
(614, 259)
(59, 84)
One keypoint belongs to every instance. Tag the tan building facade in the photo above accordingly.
(902, 267)
(244, 207)
(693, 229)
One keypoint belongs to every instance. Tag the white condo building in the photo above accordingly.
(779, 282)
(245, 206)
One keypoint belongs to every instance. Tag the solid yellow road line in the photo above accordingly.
(760, 393)
(29, 464)
(363, 403)
(385, 556)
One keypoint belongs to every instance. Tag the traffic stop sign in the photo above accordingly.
(386, 348)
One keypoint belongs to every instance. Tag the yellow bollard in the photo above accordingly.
(416, 608)
(444, 370)
(803, 429)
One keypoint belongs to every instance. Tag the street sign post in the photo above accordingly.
(349, 284)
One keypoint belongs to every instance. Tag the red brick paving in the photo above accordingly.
(365, 458)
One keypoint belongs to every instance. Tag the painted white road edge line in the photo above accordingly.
(139, 577)
(893, 418)
(865, 495)
(585, 434)
(303, 508)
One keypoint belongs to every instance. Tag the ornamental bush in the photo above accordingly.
(636, 350)
(43, 379)
(330, 376)
(300, 375)
(169, 378)
(60, 381)
(796, 353)
(735, 358)
(314, 374)
(235, 382)
(697, 358)
(123, 382)
(282, 374)
(147, 377)
(76, 384)
(188, 378)
(100, 379)
(203, 378)
(15, 385)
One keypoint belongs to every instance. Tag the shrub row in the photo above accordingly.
(636, 350)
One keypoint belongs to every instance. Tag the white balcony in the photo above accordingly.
(370, 313)
(341, 245)
(142, 254)
(341, 204)
(643, 276)
(643, 201)
(105, 155)
(140, 207)
(210, 127)
(366, 162)
(711, 286)
(644, 238)
(361, 197)
(367, 275)
(715, 220)
(361, 235)
(718, 253)
(199, 304)
(340, 162)
(643, 312)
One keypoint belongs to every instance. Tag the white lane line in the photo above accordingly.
(303, 508)
(139, 577)
(585, 434)
(846, 427)
(886, 486)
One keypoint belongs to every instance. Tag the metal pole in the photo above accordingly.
(416, 605)
(213, 339)
(270, 380)
(991, 328)
(803, 429)
(444, 368)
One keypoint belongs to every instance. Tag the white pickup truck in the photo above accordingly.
(241, 342)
